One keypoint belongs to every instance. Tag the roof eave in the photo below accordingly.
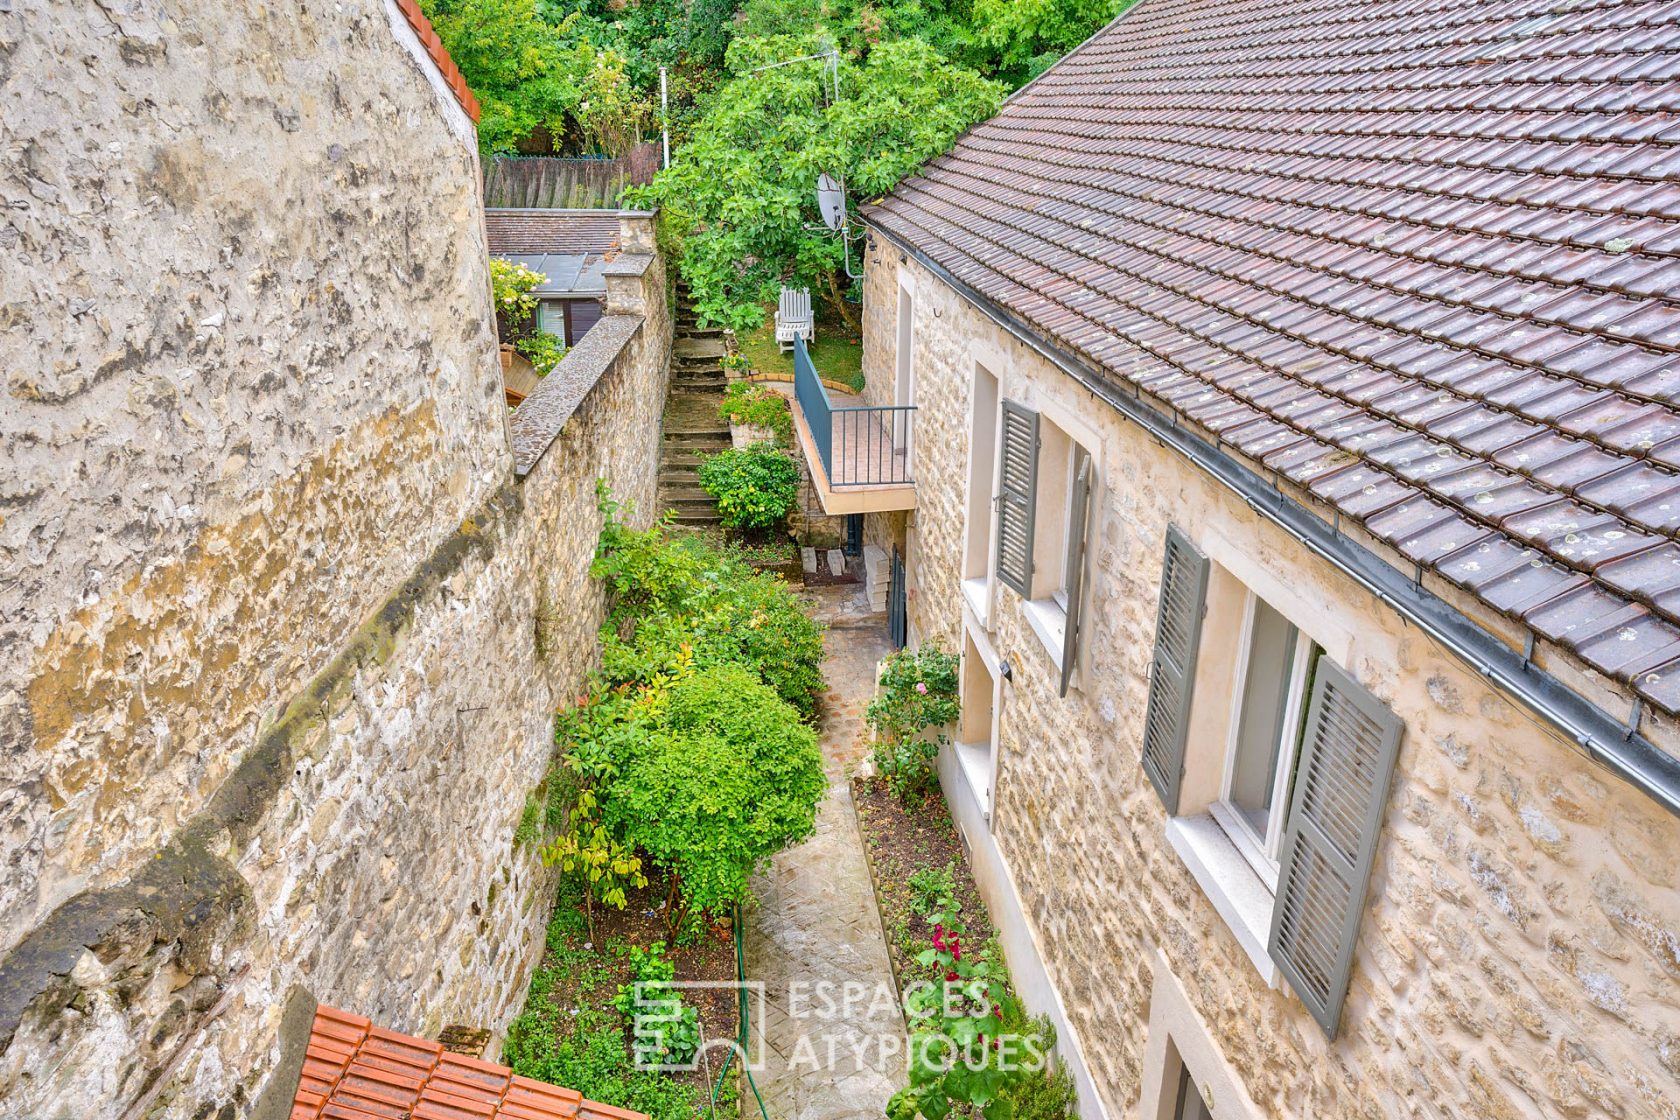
(1606, 739)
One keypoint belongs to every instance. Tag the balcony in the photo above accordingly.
(859, 454)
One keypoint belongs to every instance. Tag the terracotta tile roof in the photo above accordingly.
(354, 1070)
(439, 56)
(535, 232)
(1419, 257)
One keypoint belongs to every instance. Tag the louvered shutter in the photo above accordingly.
(1335, 817)
(1079, 515)
(1172, 676)
(1017, 501)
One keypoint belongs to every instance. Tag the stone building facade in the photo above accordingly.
(289, 596)
(1517, 956)
(1516, 951)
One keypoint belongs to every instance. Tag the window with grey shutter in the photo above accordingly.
(1017, 499)
(1172, 676)
(1335, 817)
(1079, 514)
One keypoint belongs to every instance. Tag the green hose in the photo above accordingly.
(741, 1014)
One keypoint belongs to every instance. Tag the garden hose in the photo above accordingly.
(741, 1009)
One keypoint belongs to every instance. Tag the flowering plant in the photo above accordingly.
(961, 1054)
(918, 693)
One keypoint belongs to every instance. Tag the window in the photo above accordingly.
(1273, 764)
(1275, 674)
(976, 741)
(1191, 1105)
(982, 466)
(1045, 480)
(551, 318)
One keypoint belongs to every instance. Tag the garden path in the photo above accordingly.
(816, 933)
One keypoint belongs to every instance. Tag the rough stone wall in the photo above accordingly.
(1520, 951)
(281, 630)
(242, 326)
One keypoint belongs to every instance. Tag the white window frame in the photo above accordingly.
(977, 759)
(1263, 853)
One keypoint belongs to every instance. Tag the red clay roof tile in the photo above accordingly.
(356, 1071)
(1458, 221)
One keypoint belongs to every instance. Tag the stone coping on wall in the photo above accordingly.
(628, 264)
(537, 423)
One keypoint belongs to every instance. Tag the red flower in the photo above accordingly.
(950, 976)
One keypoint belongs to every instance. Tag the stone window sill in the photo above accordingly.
(1230, 883)
(977, 593)
(1049, 622)
(975, 762)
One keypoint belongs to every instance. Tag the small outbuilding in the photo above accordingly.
(569, 248)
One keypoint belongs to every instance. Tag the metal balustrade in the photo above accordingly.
(860, 445)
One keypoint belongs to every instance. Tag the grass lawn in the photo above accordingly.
(837, 353)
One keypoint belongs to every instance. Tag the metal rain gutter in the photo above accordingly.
(1605, 739)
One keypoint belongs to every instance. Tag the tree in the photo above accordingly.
(721, 776)
(529, 72)
(1029, 35)
(741, 193)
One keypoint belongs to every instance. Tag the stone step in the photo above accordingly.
(686, 497)
(680, 517)
(696, 435)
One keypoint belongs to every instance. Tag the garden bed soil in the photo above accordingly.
(901, 840)
(640, 924)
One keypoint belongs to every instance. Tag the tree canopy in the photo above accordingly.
(739, 197)
(743, 195)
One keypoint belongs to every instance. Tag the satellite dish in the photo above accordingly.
(831, 200)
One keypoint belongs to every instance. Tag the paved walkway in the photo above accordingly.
(815, 931)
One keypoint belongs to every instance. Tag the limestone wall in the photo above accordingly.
(282, 627)
(1520, 954)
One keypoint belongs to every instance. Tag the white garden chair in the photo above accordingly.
(793, 318)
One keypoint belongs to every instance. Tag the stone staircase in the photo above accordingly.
(693, 428)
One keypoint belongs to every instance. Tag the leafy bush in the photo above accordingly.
(918, 692)
(531, 71)
(510, 286)
(755, 488)
(582, 1046)
(746, 403)
(957, 1027)
(681, 604)
(542, 350)
(1047, 1095)
(676, 1028)
(722, 776)
(933, 890)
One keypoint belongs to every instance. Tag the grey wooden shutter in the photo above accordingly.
(1079, 514)
(1335, 818)
(1017, 501)
(1172, 676)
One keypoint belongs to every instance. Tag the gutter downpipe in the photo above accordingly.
(1606, 740)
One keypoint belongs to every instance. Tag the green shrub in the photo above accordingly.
(723, 776)
(756, 488)
(581, 1045)
(680, 604)
(542, 350)
(746, 403)
(650, 992)
(933, 890)
(918, 692)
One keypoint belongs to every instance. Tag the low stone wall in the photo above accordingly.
(363, 852)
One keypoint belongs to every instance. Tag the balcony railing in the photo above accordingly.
(860, 445)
